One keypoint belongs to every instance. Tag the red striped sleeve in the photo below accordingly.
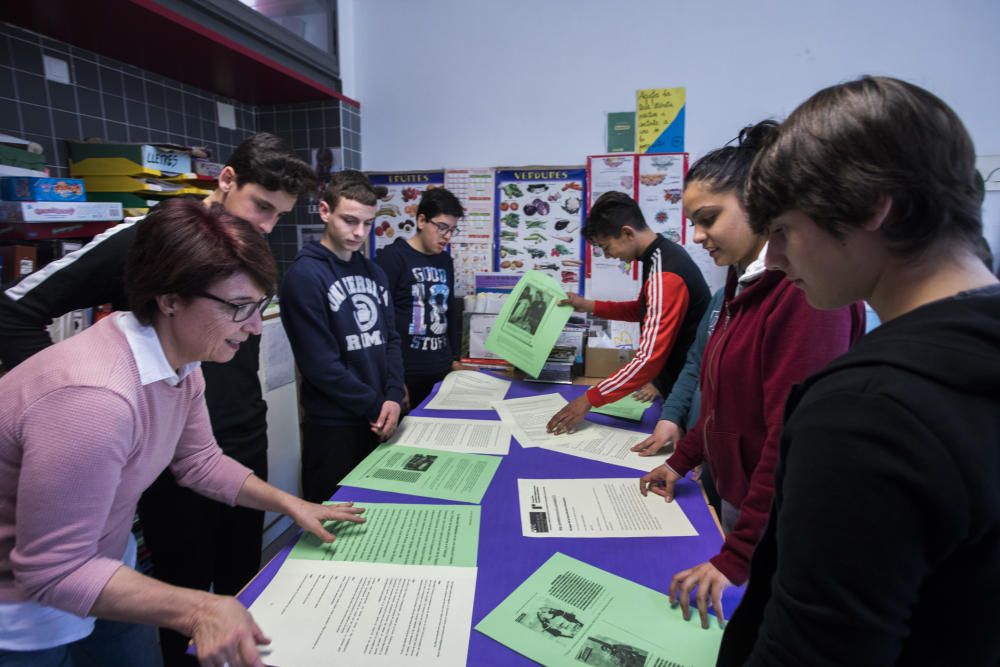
(666, 304)
(623, 311)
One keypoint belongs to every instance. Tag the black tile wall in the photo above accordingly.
(119, 102)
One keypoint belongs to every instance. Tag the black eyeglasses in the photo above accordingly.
(241, 311)
(445, 230)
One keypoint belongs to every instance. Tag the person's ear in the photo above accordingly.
(226, 180)
(882, 210)
(167, 304)
(421, 222)
(324, 211)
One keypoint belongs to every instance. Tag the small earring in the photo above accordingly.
(170, 314)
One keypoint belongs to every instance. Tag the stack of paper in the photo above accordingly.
(399, 593)
(530, 322)
(627, 407)
(569, 612)
(471, 436)
(528, 417)
(597, 508)
(468, 390)
(425, 472)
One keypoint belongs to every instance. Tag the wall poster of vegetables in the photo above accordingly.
(539, 214)
(396, 213)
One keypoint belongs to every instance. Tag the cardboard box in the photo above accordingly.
(18, 261)
(86, 159)
(603, 361)
(29, 211)
(41, 189)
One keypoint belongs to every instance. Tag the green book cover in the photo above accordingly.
(621, 132)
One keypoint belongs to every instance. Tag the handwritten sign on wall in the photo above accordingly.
(659, 120)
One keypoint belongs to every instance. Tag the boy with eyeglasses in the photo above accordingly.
(422, 281)
(195, 542)
(337, 310)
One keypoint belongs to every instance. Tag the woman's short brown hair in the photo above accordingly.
(183, 247)
(845, 148)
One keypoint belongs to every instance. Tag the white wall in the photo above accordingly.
(513, 82)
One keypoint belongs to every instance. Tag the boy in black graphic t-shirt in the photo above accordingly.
(422, 281)
(337, 310)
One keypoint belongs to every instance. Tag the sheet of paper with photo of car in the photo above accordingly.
(530, 322)
(425, 472)
(569, 612)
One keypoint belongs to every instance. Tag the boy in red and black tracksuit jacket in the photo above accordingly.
(670, 304)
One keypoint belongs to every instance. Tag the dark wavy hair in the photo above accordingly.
(727, 169)
(267, 160)
(610, 214)
(439, 201)
(848, 146)
(183, 247)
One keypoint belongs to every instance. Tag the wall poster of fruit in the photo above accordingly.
(539, 213)
(396, 213)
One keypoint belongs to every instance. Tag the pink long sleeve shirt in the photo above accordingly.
(82, 434)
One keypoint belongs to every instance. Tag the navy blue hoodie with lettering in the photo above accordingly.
(339, 320)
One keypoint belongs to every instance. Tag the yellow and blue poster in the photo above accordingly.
(659, 120)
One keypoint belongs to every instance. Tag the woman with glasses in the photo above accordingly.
(88, 424)
(422, 281)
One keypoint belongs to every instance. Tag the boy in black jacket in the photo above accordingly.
(884, 536)
(422, 281)
(337, 310)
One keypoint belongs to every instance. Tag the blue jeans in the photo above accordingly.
(111, 644)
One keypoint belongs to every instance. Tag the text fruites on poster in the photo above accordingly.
(396, 212)
(539, 217)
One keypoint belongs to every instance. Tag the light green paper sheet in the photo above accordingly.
(401, 534)
(627, 407)
(425, 472)
(529, 323)
(571, 613)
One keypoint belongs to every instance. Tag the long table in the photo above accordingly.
(506, 558)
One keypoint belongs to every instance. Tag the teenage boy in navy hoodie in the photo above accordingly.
(337, 311)
(422, 281)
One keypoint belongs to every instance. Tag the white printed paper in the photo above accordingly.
(596, 508)
(468, 390)
(319, 613)
(529, 416)
(606, 444)
(474, 436)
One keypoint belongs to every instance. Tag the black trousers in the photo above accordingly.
(329, 453)
(196, 542)
(420, 386)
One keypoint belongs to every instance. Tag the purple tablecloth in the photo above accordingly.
(506, 558)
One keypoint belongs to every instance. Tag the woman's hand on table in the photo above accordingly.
(664, 436)
(660, 480)
(566, 419)
(646, 393)
(224, 633)
(710, 583)
(310, 517)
